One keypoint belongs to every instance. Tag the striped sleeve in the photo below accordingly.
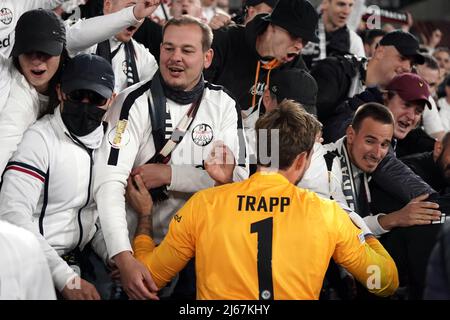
(26, 169)
(25, 177)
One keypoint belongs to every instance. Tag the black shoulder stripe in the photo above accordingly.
(44, 204)
(124, 113)
(131, 98)
(329, 157)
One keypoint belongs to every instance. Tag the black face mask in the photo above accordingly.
(81, 118)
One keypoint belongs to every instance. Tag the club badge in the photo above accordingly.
(202, 134)
(6, 16)
(119, 136)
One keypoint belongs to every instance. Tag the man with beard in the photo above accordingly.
(263, 238)
(110, 36)
(162, 130)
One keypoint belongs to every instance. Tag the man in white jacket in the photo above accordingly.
(47, 185)
(10, 12)
(110, 36)
(176, 110)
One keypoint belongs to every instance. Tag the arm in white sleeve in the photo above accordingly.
(374, 225)
(44, 4)
(20, 194)
(88, 32)
(20, 111)
(316, 177)
(111, 179)
(186, 178)
(431, 120)
(98, 243)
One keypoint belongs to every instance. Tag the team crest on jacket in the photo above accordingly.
(119, 136)
(202, 134)
(6, 15)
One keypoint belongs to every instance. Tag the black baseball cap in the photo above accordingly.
(88, 72)
(39, 31)
(298, 17)
(252, 3)
(405, 43)
(295, 84)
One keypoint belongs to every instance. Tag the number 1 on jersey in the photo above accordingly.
(264, 229)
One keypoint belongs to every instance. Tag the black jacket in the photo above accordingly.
(417, 141)
(438, 272)
(335, 125)
(424, 165)
(337, 44)
(334, 77)
(235, 61)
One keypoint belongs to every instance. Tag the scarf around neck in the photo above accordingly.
(180, 96)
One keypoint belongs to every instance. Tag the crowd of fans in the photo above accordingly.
(101, 101)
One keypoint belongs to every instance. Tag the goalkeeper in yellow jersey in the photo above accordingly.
(263, 238)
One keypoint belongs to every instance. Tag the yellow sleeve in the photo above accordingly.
(174, 252)
(366, 259)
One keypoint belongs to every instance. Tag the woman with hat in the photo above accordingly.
(29, 76)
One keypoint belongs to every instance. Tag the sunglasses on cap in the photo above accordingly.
(93, 97)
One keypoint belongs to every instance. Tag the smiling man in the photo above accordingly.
(245, 56)
(405, 97)
(163, 130)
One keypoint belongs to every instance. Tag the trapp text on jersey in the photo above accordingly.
(262, 204)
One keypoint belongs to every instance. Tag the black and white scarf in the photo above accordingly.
(348, 182)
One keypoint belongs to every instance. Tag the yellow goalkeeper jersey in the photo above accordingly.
(264, 238)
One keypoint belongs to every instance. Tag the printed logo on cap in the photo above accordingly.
(6, 16)
(119, 135)
(202, 134)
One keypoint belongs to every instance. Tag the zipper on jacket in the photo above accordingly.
(91, 164)
(87, 200)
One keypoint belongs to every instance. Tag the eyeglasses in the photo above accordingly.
(93, 97)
